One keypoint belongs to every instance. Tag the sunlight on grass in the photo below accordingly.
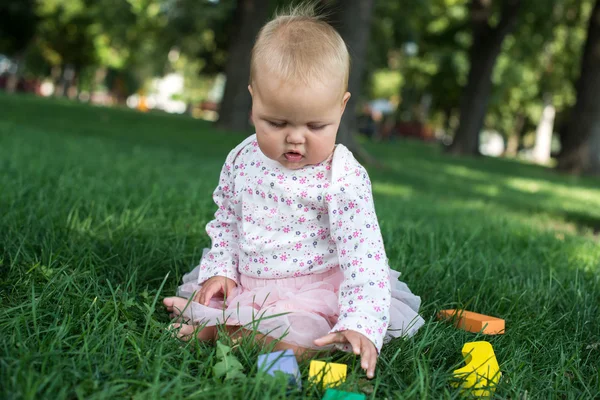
(524, 185)
(465, 172)
(588, 197)
(392, 190)
(488, 190)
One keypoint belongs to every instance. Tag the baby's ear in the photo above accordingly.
(345, 100)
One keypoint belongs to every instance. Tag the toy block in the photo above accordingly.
(284, 362)
(332, 394)
(330, 374)
(473, 322)
(481, 374)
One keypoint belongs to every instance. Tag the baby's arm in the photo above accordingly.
(365, 293)
(222, 259)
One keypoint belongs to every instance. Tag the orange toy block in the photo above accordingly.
(473, 322)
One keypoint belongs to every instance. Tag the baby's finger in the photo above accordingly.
(201, 294)
(372, 364)
(370, 355)
(209, 293)
(356, 344)
(197, 296)
(229, 285)
(206, 292)
(336, 337)
(366, 361)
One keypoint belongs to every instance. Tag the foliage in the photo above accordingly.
(228, 366)
(540, 58)
(65, 33)
(130, 35)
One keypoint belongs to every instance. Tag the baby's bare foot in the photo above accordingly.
(175, 306)
(186, 332)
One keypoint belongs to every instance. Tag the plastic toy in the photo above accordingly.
(283, 361)
(332, 394)
(481, 374)
(330, 374)
(473, 322)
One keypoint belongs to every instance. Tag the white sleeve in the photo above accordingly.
(222, 259)
(365, 293)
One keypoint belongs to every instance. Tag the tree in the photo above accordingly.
(250, 15)
(485, 48)
(66, 36)
(534, 72)
(202, 30)
(18, 23)
(581, 137)
(354, 25)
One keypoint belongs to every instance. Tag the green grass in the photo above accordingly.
(102, 211)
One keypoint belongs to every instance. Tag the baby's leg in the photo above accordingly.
(302, 353)
(175, 306)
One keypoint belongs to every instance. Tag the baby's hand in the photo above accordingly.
(212, 286)
(360, 344)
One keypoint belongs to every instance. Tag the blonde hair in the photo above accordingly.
(299, 46)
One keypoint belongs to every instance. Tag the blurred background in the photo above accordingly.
(511, 78)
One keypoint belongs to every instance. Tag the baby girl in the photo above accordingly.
(297, 256)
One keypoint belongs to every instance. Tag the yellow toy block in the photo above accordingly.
(481, 373)
(329, 374)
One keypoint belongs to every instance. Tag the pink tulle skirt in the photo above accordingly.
(295, 310)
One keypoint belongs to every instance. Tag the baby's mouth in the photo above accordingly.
(293, 156)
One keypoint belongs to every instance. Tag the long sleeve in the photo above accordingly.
(365, 294)
(223, 259)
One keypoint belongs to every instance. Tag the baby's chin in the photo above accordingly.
(292, 165)
(299, 165)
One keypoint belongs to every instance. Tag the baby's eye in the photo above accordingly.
(276, 124)
(316, 127)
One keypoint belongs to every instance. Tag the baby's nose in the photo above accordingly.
(295, 136)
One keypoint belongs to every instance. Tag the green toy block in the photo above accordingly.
(332, 394)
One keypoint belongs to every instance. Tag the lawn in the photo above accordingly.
(102, 211)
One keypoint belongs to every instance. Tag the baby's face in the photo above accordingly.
(296, 125)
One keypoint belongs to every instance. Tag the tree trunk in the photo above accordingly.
(72, 90)
(543, 133)
(99, 77)
(447, 120)
(581, 145)
(487, 43)
(14, 76)
(12, 82)
(63, 81)
(234, 111)
(55, 75)
(354, 24)
(514, 140)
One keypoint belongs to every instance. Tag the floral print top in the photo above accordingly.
(273, 222)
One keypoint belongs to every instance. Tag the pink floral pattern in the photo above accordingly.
(272, 222)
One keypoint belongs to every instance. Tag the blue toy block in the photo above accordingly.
(283, 361)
